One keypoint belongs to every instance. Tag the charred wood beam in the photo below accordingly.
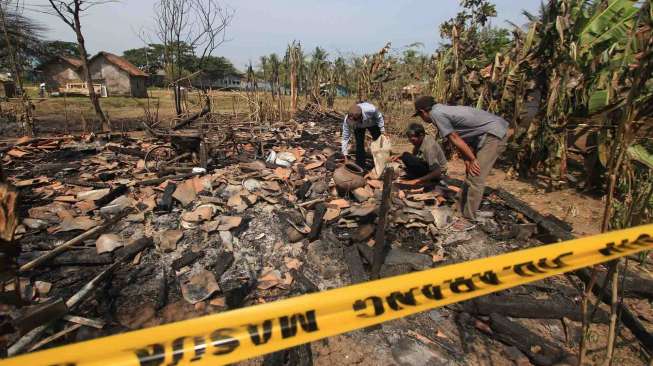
(132, 248)
(112, 195)
(126, 254)
(538, 350)
(157, 181)
(318, 220)
(54, 167)
(162, 293)
(193, 117)
(222, 263)
(355, 264)
(84, 257)
(627, 317)
(166, 202)
(303, 190)
(557, 233)
(634, 285)
(525, 307)
(83, 183)
(74, 241)
(380, 246)
(204, 155)
(546, 223)
(127, 151)
(186, 259)
(305, 285)
(40, 314)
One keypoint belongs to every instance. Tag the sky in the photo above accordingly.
(261, 27)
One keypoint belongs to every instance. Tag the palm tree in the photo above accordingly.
(293, 60)
(264, 68)
(318, 71)
(274, 73)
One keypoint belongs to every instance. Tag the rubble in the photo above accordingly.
(263, 222)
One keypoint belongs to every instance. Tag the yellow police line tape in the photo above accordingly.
(244, 333)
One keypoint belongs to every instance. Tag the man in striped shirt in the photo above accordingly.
(361, 117)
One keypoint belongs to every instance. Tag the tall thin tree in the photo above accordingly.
(70, 11)
(198, 26)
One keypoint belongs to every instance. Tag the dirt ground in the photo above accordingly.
(582, 210)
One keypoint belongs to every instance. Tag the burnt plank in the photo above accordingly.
(318, 220)
(514, 334)
(526, 307)
(380, 246)
(355, 264)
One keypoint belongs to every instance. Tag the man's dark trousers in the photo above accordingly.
(415, 167)
(359, 134)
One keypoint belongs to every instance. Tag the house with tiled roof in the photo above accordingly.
(112, 73)
(119, 76)
(61, 70)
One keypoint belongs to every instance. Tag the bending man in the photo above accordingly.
(479, 136)
(360, 118)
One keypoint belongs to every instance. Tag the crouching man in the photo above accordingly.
(479, 136)
(427, 164)
(361, 117)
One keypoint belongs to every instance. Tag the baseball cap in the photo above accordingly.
(425, 102)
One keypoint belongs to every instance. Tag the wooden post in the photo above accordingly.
(84, 127)
(380, 246)
(203, 155)
(65, 113)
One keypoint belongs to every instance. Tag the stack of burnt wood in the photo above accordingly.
(313, 112)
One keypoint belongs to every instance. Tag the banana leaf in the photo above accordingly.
(611, 24)
(641, 154)
(598, 100)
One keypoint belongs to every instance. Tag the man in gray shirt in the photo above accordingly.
(479, 136)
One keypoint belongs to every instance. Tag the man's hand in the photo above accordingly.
(472, 167)
(395, 158)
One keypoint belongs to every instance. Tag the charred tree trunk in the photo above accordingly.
(177, 96)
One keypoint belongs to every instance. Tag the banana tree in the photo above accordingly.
(577, 41)
(294, 60)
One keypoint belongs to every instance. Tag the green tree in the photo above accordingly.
(216, 67)
(148, 58)
(24, 37)
(275, 73)
(60, 48)
(493, 40)
(264, 68)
